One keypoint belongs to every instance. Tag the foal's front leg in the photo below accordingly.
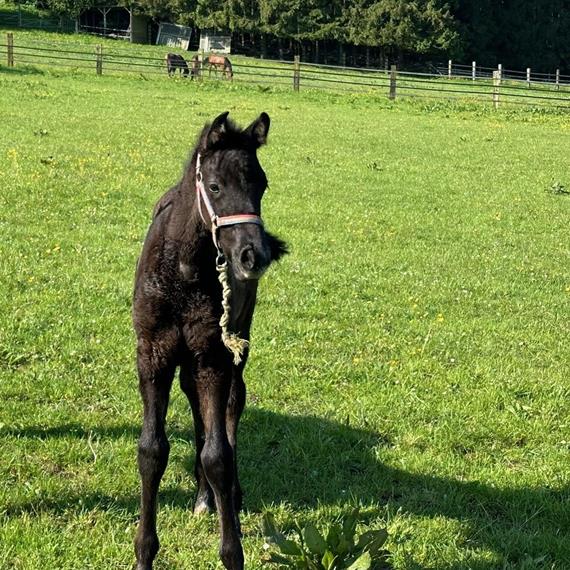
(213, 382)
(154, 382)
(204, 496)
(236, 404)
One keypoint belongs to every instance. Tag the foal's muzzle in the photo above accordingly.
(249, 262)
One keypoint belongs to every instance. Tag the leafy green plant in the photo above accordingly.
(559, 188)
(342, 549)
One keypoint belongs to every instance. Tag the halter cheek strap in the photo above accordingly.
(231, 340)
(215, 220)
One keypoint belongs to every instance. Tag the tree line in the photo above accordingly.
(516, 33)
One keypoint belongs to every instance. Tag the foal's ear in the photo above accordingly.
(258, 130)
(218, 129)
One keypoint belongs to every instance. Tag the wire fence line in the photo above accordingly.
(475, 72)
(22, 19)
(499, 87)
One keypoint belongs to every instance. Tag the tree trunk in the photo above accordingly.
(316, 57)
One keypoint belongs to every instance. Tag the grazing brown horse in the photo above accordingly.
(214, 62)
(221, 62)
(208, 223)
(176, 62)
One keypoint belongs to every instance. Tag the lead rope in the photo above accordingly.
(231, 340)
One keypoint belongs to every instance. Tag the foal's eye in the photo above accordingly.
(214, 188)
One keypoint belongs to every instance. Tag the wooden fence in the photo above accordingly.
(497, 87)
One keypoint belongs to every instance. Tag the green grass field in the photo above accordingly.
(410, 356)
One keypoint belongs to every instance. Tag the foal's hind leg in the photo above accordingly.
(155, 380)
(205, 496)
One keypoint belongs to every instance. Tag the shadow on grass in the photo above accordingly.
(21, 70)
(305, 461)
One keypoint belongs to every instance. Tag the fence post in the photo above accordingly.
(201, 65)
(296, 73)
(393, 73)
(10, 48)
(528, 76)
(449, 68)
(500, 70)
(496, 85)
(99, 59)
(557, 79)
(473, 70)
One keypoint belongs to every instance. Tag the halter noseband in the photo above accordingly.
(215, 220)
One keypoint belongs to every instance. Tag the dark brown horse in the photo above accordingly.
(176, 62)
(208, 223)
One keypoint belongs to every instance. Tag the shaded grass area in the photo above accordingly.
(410, 355)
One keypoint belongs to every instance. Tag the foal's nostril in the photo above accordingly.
(247, 258)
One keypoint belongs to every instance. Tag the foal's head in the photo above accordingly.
(233, 183)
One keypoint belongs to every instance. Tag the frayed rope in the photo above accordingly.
(232, 341)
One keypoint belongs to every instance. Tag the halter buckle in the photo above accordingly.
(220, 259)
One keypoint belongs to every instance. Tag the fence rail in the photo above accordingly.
(496, 86)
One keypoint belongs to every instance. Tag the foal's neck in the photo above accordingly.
(193, 233)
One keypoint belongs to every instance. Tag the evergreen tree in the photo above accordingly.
(420, 26)
(229, 15)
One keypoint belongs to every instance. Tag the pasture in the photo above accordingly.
(83, 53)
(409, 356)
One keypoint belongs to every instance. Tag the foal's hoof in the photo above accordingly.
(204, 506)
(202, 509)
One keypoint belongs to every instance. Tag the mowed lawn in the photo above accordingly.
(411, 354)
